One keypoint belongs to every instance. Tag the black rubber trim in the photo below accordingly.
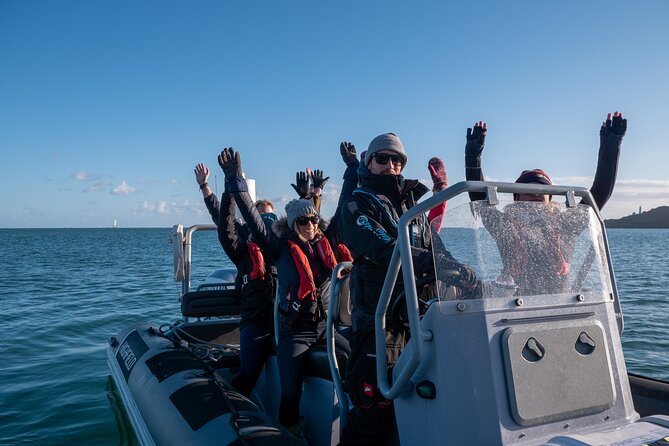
(166, 364)
(200, 402)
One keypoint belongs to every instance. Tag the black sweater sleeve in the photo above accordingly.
(266, 239)
(473, 171)
(607, 167)
(232, 244)
(334, 231)
(213, 206)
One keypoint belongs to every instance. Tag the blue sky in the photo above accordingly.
(105, 107)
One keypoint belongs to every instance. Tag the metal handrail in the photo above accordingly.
(402, 256)
(333, 308)
(188, 235)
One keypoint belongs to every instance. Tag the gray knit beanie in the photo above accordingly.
(387, 141)
(298, 208)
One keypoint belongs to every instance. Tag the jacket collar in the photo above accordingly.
(395, 187)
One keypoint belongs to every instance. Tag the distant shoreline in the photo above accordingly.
(657, 218)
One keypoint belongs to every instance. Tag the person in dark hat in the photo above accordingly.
(611, 136)
(369, 228)
(534, 242)
(536, 176)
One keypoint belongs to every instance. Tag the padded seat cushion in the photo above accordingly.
(207, 303)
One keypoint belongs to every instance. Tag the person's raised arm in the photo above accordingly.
(235, 184)
(202, 177)
(610, 140)
(334, 231)
(232, 243)
(318, 183)
(473, 149)
(439, 182)
(350, 158)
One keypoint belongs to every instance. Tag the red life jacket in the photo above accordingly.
(307, 286)
(258, 261)
(553, 252)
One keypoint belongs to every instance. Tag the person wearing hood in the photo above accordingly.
(369, 228)
(255, 281)
(305, 259)
(537, 242)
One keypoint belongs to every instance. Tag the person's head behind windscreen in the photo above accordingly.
(538, 264)
(534, 176)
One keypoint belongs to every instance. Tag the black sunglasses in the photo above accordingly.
(382, 158)
(303, 221)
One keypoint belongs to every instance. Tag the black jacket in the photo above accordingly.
(369, 228)
(256, 294)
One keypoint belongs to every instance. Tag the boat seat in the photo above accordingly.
(343, 316)
(318, 364)
(209, 303)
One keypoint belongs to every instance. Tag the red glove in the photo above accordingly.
(438, 174)
(440, 182)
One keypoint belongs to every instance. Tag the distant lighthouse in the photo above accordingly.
(639, 210)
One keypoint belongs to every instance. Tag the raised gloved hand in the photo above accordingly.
(348, 153)
(230, 162)
(438, 174)
(318, 180)
(615, 125)
(302, 184)
(476, 140)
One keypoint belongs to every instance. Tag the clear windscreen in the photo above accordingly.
(519, 249)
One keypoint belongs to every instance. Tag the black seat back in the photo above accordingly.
(207, 303)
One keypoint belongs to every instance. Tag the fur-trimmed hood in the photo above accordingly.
(281, 229)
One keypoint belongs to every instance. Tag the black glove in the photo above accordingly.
(302, 183)
(348, 153)
(615, 126)
(463, 274)
(317, 178)
(230, 162)
(467, 275)
(475, 141)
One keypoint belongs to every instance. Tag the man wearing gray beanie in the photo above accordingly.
(369, 229)
(388, 142)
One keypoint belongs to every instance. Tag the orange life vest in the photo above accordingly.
(307, 288)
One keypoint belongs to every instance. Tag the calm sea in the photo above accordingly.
(65, 291)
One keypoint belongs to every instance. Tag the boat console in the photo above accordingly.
(531, 355)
